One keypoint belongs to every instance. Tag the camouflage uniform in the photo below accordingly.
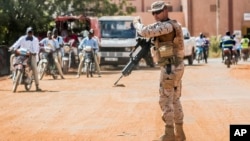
(172, 68)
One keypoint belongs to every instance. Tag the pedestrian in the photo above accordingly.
(59, 39)
(169, 44)
(30, 42)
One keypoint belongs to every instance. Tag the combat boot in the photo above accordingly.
(169, 134)
(180, 135)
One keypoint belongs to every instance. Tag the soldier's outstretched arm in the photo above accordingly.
(153, 30)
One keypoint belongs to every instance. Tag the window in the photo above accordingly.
(213, 8)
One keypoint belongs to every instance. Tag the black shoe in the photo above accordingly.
(38, 89)
(10, 76)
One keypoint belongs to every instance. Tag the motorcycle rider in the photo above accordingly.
(30, 42)
(227, 42)
(87, 41)
(200, 43)
(169, 51)
(244, 42)
(50, 42)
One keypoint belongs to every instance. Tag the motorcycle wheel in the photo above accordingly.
(65, 67)
(16, 80)
(228, 62)
(88, 69)
(28, 86)
(199, 58)
(91, 69)
(41, 70)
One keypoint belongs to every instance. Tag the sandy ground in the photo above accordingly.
(91, 109)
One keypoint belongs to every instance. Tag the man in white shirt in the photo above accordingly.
(49, 41)
(87, 41)
(60, 42)
(31, 43)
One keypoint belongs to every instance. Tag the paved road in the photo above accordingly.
(91, 109)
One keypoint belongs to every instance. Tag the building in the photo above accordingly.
(212, 17)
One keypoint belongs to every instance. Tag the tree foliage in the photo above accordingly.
(17, 15)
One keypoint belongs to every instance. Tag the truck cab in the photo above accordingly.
(117, 39)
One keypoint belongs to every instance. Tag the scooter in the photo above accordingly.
(23, 74)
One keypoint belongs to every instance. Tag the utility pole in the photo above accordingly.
(142, 6)
(217, 17)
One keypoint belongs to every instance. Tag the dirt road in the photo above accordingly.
(91, 109)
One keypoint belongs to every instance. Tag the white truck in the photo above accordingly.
(189, 46)
(118, 38)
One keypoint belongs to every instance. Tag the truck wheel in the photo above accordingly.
(190, 59)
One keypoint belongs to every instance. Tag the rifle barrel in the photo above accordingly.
(118, 79)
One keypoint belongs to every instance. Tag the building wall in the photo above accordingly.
(204, 20)
(200, 15)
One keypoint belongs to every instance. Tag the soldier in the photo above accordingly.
(168, 53)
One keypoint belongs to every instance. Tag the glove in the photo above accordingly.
(136, 20)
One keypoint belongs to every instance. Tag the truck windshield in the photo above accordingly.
(117, 29)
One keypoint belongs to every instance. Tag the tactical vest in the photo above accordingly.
(169, 47)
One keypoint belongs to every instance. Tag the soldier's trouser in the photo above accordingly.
(58, 66)
(34, 68)
(170, 93)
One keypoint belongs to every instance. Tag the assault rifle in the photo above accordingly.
(141, 50)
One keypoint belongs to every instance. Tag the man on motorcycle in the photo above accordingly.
(87, 41)
(31, 43)
(200, 44)
(244, 42)
(50, 42)
(228, 42)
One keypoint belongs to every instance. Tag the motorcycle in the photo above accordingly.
(245, 53)
(23, 74)
(66, 59)
(89, 63)
(230, 58)
(46, 64)
(199, 53)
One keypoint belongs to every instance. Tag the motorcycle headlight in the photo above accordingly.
(66, 49)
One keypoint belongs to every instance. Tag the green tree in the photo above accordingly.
(17, 15)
